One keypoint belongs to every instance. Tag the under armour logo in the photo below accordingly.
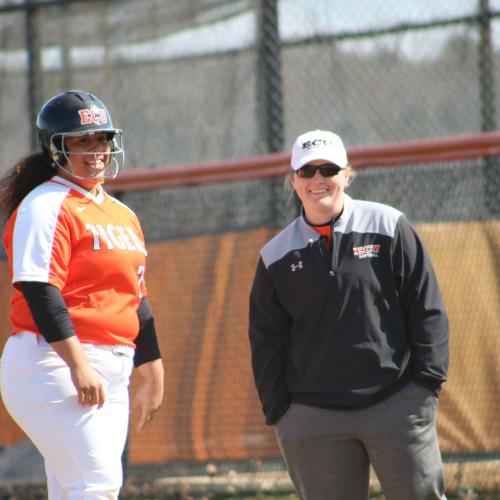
(294, 267)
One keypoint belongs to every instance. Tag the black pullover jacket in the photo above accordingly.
(346, 328)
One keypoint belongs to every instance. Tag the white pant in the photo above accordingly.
(81, 445)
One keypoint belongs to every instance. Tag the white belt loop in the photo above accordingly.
(30, 337)
(122, 350)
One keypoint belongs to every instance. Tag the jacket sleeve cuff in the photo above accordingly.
(273, 417)
(431, 384)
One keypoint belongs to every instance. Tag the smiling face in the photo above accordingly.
(88, 157)
(322, 197)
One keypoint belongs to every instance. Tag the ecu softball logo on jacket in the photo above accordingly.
(366, 251)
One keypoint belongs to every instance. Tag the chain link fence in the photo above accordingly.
(200, 80)
(209, 80)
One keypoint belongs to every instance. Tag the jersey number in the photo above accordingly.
(140, 272)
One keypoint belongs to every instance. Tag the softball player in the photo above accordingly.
(349, 339)
(80, 316)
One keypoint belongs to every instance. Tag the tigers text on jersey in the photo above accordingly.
(346, 327)
(91, 248)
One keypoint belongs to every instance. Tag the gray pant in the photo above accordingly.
(328, 452)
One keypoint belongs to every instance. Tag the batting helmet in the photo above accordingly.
(74, 113)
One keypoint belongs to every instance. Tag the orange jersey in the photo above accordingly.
(91, 248)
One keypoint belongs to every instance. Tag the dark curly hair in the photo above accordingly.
(26, 175)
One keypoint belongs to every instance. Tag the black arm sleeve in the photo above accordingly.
(48, 309)
(147, 348)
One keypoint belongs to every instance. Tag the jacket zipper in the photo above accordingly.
(333, 266)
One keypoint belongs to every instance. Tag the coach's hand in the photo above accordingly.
(149, 392)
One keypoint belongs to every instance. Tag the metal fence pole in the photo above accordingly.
(270, 94)
(486, 73)
(34, 66)
(488, 108)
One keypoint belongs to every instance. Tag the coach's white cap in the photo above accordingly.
(318, 145)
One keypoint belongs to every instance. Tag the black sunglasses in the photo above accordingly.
(326, 170)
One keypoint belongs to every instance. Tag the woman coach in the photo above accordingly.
(349, 339)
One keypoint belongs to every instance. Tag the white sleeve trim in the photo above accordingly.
(34, 232)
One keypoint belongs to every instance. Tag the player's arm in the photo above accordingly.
(52, 318)
(149, 366)
(269, 326)
(423, 304)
